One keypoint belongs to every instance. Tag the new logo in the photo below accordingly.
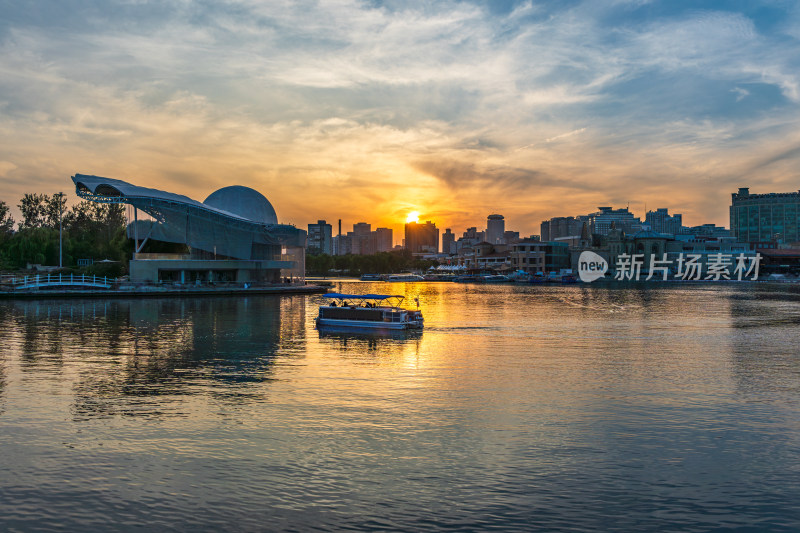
(591, 266)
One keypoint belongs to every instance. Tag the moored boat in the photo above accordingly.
(494, 278)
(405, 277)
(368, 311)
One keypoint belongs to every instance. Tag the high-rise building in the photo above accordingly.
(422, 238)
(470, 238)
(342, 245)
(362, 240)
(473, 234)
(495, 226)
(384, 239)
(448, 242)
(711, 231)
(765, 218)
(320, 239)
(560, 227)
(510, 237)
(362, 228)
(622, 218)
(661, 221)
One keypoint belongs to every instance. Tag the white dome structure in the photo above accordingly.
(244, 202)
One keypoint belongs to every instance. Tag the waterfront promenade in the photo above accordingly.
(84, 286)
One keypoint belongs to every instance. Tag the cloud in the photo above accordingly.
(565, 135)
(365, 109)
(469, 175)
(6, 167)
(791, 154)
(741, 94)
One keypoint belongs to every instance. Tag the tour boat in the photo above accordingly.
(372, 311)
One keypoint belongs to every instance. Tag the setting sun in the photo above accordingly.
(413, 216)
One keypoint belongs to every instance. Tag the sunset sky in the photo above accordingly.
(366, 111)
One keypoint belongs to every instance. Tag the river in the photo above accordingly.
(640, 408)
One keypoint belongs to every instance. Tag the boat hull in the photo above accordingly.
(366, 324)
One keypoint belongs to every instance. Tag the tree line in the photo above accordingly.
(355, 265)
(90, 231)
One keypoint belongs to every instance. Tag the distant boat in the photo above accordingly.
(439, 277)
(370, 277)
(538, 278)
(368, 311)
(405, 277)
(483, 278)
(494, 278)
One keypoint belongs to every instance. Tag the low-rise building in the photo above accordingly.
(540, 257)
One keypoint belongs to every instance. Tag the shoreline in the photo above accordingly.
(157, 292)
(193, 292)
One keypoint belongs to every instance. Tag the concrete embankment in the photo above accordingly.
(159, 292)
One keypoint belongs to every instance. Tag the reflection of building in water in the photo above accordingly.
(293, 321)
(234, 235)
(763, 342)
(139, 353)
(2, 381)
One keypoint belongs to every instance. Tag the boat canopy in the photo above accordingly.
(340, 296)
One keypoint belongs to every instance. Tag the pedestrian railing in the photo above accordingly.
(56, 281)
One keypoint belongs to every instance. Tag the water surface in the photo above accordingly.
(577, 407)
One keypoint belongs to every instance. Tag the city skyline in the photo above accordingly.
(533, 110)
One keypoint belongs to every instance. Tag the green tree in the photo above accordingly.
(31, 245)
(6, 221)
(97, 231)
(53, 207)
(90, 230)
(34, 210)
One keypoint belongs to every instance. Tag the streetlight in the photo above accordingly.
(61, 203)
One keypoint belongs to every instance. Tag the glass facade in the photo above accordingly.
(765, 217)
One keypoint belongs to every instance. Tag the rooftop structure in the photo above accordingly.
(243, 201)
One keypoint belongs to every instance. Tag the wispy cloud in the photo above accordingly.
(741, 94)
(565, 135)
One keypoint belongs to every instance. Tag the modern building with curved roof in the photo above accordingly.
(234, 235)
